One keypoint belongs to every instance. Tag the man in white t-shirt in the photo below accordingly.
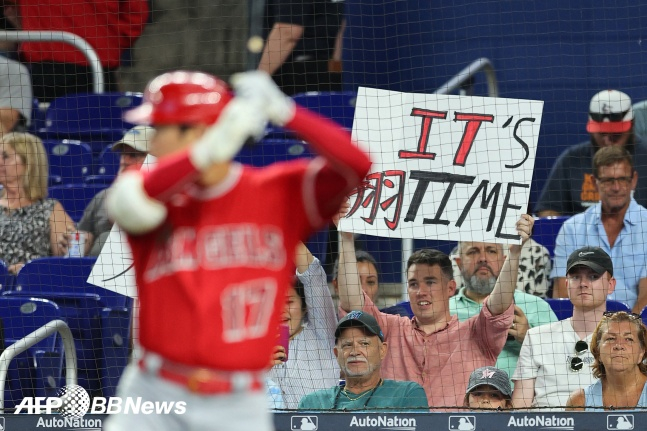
(555, 359)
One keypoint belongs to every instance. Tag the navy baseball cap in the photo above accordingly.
(490, 376)
(362, 319)
(593, 257)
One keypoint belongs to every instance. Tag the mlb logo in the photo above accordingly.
(620, 422)
(310, 423)
(462, 423)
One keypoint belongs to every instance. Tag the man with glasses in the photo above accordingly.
(615, 224)
(555, 359)
(570, 188)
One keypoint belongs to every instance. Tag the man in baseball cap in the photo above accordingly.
(488, 388)
(547, 372)
(570, 188)
(360, 349)
(133, 148)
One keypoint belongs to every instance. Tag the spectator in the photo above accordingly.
(16, 98)
(310, 313)
(571, 188)
(300, 44)
(434, 348)
(368, 275)
(360, 349)
(554, 359)
(488, 388)
(534, 269)
(57, 69)
(133, 148)
(618, 346)
(616, 224)
(480, 264)
(31, 226)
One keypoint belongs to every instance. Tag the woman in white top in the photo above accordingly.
(312, 318)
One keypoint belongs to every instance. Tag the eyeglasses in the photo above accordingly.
(621, 181)
(614, 116)
(632, 316)
(577, 363)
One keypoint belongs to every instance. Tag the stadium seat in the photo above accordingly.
(107, 163)
(39, 370)
(70, 161)
(37, 121)
(75, 197)
(95, 118)
(268, 151)
(387, 253)
(340, 106)
(400, 309)
(99, 318)
(546, 229)
(563, 307)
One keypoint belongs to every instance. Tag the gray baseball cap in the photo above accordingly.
(362, 319)
(490, 376)
(593, 257)
(137, 138)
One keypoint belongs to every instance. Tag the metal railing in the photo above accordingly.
(65, 37)
(29, 340)
(455, 83)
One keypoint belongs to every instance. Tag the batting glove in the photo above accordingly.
(259, 86)
(239, 120)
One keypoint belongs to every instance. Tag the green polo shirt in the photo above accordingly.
(393, 395)
(537, 311)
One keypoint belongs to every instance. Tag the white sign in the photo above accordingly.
(444, 167)
(114, 267)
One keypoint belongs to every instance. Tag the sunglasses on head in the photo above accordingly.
(616, 116)
(632, 316)
(577, 363)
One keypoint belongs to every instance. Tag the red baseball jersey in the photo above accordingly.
(213, 277)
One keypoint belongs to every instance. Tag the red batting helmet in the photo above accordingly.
(181, 97)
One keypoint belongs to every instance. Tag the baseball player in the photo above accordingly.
(213, 242)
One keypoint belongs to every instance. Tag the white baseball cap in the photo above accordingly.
(137, 138)
(610, 112)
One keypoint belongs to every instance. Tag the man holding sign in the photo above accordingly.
(434, 349)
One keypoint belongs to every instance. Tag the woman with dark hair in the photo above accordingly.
(619, 348)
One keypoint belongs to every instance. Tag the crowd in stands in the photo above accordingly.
(479, 333)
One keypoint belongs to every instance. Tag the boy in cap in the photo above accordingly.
(360, 349)
(555, 359)
(488, 388)
(570, 188)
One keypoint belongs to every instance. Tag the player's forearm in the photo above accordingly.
(280, 44)
(332, 142)
(502, 296)
(641, 302)
(350, 288)
(170, 175)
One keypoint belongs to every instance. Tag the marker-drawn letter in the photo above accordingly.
(427, 117)
(471, 129)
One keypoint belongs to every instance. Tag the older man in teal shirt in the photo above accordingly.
(480, 264)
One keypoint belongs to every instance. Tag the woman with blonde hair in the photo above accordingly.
(31, 225)
(618, 346)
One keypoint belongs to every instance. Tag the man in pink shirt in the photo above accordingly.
(434, 349)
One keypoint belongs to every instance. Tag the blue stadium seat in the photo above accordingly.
(400, 309)
(546, 229)
(75, 197)
(37, 121)
(90, 117)
(339, 106)
(563, 307)
(70, 161)
(107, 163)
(269, 151)
(39, 370)
(99, 318)
(387, 253)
